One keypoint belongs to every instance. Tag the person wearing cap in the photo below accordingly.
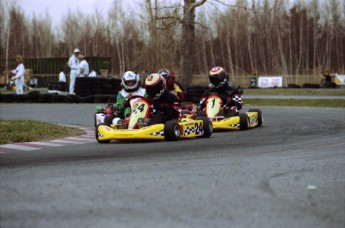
(83, 67)
(73, 63)
(18, 75)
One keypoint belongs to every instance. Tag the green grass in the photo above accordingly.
(13, 131)
(296, 92)
(331, 103)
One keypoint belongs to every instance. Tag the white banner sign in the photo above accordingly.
(270, 82)
(340, 79)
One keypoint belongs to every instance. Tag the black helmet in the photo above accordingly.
(218, 77)
(155, 85)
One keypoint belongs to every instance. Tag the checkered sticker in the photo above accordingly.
(237, 98)
(160, 133)
(197, 129)
(235, 125)
(188, 131)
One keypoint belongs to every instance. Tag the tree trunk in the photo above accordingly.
(187, 41)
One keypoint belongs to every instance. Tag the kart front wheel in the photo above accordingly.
(206, 125)
(97, 134)
(171, 130)
(244, 122)
(260, 118)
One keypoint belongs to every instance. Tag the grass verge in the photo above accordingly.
(13, 131)
(296, 92)
(323, 103)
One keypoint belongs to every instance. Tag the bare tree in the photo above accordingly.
(187, 39)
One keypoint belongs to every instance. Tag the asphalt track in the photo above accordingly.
(287, 173)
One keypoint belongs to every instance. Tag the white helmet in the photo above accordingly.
(130, 81)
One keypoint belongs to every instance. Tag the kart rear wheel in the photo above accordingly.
(244, 121)
(260, 118)
(97, 134)
(171, 130)
(206, 125)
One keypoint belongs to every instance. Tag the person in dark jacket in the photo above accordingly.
(166, 105)
(231, 97)
(172, 86)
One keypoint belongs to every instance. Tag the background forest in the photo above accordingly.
(267, 37)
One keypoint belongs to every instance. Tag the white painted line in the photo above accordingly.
(311, 187)
(66, 141)
(79, 139)
(63, 141)
(19, 147)
(44, 144)
(87, 136)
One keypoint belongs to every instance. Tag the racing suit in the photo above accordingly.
(231, 99)
(19, 78)
(73, 63)
(166, 107)
(177, 91)
(83, 68)
(122, 98)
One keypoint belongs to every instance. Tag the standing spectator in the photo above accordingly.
(92, 73)
(33, 82)
(327, 77)
(62, 76)
(73, 63)
(83, 66)
(18, 75)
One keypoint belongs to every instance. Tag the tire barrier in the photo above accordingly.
(332, 85)
(37, 97)
(86, 86)
(194, 93)
(59, 86)
(311, 86)
(88, 90)
(294, 86)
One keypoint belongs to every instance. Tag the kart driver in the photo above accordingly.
(166, 105)
(232, 100)
(170, 79)
(130, 82)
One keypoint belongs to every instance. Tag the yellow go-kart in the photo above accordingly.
(136, 128)
(214, 111)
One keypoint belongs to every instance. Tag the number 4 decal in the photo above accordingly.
(139, 107)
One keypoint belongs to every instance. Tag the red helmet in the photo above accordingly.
(155, 85)
(218, 77)
(169, 77)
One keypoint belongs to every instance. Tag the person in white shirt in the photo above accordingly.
(18, 77)
(73, 63)
(93, 74)
(83, 66)
(62, 76)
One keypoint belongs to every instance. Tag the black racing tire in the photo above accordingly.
(206, 125)
(171, 130)
(260, 118)
(244, 121)
(101, 141)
